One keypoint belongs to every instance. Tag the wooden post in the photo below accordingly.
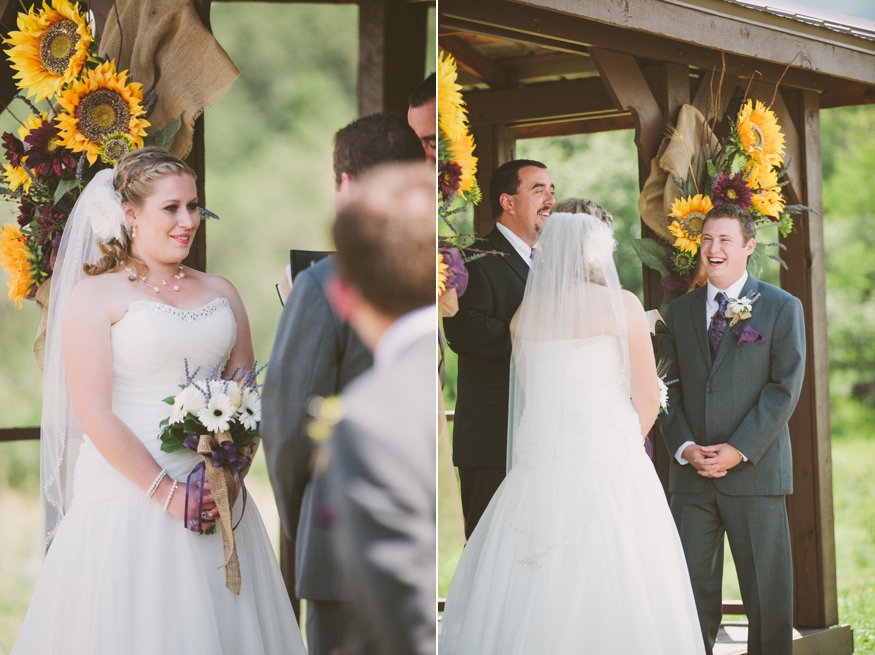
(495, 146)
(810, 506)
(391, 53)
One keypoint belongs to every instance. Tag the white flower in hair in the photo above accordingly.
(107, 214)
(600, 243)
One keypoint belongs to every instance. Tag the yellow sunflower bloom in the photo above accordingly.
(760, 135)
(16, 176)
(442, 274)
(98, 105)
(452, 115)
(31, 123)
(17, 260)
(462, 152)
(49, 48)
(768, 202)
(690, 219)
(760, 177)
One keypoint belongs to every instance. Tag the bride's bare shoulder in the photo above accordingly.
(107, 294)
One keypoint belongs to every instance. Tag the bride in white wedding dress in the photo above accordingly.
(577, 552)
(122, 573)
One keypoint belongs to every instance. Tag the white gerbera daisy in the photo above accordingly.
(188, 401)
(250, 409)
(217, 414)
(663, 395)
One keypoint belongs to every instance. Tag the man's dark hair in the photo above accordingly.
(729, 210)
(372, 140)
(426, 91)
(506, 179)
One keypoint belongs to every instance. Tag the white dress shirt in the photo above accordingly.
(524, 249)
(711, 307)
(404, 332)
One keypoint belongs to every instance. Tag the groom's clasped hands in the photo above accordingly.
(712, 461)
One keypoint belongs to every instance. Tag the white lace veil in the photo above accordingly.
(60, 436)
(572, 292)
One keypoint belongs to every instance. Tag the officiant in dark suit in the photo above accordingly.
(520, 196)
(316, 354)
(740, 367)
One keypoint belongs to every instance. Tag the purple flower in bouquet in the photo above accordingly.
(14, 149)
(49, 224)
(46, 155)
(676, 285)
(449, 179)
(457, 274)
(733, 190)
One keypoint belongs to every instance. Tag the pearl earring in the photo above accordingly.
(133, 231)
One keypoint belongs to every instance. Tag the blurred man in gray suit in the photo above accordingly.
(315, 354)
(382, 456)
(740, 374)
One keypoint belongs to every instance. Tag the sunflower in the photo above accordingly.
(50, 48)
(442, 274)
(17, 259)
(689, 220)
(760, 177)
(683, 261)
(16, 176)
(760, 135)
(101, 104)
(769, 202)
(461, 152)
(115, 146)
(452, 118)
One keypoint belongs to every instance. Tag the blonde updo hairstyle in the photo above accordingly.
(583, 206)
(135, 176)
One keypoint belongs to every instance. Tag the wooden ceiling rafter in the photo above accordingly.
(480, 66)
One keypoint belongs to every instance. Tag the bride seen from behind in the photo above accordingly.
(559, 561)
(126, 317)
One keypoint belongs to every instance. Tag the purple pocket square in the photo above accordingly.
(749, 334)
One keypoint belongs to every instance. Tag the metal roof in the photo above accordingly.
(831, 20)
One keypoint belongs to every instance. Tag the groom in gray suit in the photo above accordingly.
(382, 456)
(740, 374)
(316, 354)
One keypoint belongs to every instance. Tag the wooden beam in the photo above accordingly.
(548, 101)
(630, 92)
(391, 54)
(570, 128)
(482, 67)
(19, 434)
(549, 64)
(495, 146)
(715, 30)
(810, 507)
(507, 20)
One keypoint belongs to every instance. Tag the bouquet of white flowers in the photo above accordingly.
(219, 420)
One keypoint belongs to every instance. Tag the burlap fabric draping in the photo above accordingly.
(168, 49)
(223, 483)
(674, 157)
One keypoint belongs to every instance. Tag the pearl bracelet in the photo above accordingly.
(170, 495)
(155, 484)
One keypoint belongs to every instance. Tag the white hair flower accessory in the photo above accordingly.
(107, 214)
(600, 243)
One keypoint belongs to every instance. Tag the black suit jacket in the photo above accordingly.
(480, 334)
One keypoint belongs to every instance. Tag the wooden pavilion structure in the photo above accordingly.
(392, 58)
(540, 68)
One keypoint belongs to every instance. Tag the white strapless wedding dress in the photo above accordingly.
(123, 576)
(577, 552)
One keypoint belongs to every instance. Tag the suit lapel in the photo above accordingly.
(511, 256)
(698, 318)
(750, 287)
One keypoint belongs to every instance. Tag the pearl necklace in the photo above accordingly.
(163, 283)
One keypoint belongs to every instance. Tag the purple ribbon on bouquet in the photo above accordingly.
(227, 455)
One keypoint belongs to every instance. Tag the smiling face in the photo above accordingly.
(725, 251)
(166, 222)
(423, 121)
(526, 211)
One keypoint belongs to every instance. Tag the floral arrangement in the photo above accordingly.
(219, 420)
(92, 116)
(457, 183)
(745, 170)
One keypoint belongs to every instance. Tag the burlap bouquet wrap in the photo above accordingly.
(223, 485)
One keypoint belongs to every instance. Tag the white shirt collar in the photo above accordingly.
(524, 249)
(732, 292)
(404, 332)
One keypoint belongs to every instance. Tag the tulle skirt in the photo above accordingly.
(577, 557)
(123, 576)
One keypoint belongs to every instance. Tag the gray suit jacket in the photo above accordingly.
(314, 354)
(745, 398)
(382, 473)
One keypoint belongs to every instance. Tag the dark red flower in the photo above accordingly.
(14, 148)
(731, 190)
(25, 213)
(449, 178)
(46, 156)
(49, 224)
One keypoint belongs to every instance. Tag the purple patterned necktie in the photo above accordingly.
(718, 325)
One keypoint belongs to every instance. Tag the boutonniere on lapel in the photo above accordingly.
(741, 309)
(662, 368)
